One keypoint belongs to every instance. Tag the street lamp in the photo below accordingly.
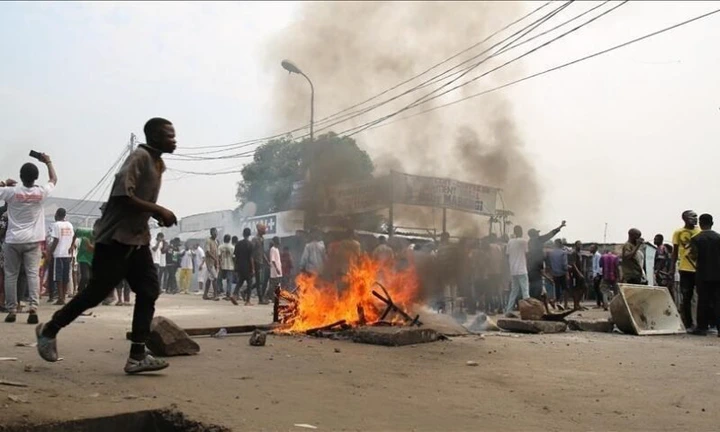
(291, 68)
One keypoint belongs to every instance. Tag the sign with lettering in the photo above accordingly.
(270, 222)
(444, 193)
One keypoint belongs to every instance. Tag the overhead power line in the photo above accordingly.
(425, 99)
(246, 143)
(87, 197)
(558, 67)
(517, 35)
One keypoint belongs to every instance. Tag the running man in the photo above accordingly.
(122, 249)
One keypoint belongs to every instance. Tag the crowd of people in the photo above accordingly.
(557, 273)
(118, 257)
(222, 269)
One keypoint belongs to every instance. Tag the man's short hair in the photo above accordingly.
(227, 238)
(247, 232)
(60, 213)
(29, 173)
(153, 125)
(706, 219)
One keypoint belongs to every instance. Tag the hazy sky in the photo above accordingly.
(627, 138)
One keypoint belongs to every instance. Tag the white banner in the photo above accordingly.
(444, 193)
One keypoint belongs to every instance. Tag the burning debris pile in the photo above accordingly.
(369, 293)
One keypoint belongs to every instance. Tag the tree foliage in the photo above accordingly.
(268, 179)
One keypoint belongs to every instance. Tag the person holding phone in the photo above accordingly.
(122, 249)
(25, 233)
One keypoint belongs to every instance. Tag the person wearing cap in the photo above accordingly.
(705, 252)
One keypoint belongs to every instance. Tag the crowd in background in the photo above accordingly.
(467, 275)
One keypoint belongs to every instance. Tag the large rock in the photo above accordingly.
(167, 339)
(591, 325)
(523, 326)
(531, 309)
(395, 336)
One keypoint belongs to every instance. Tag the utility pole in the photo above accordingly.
(605, 234)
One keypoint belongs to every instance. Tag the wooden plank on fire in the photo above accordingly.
(393, 306)
(325, 327)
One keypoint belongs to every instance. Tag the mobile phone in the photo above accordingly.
(36, 155)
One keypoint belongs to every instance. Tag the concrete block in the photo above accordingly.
(526, 326)
(591, 325)
(395, 336)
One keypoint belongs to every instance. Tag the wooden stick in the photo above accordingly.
(326, 327)
(397, 309)
(12, 383)
(209, 331)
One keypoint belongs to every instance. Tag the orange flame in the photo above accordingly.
(319, 303)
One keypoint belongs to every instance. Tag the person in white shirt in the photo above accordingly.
(200, 267)
(159, 249)
(275, 265)
(25, 232)
(517, 249)
(62, 234)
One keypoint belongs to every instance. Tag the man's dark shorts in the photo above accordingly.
(61, 270)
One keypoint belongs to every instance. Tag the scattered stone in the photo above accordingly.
(17, 399)
(167, 339)
(531, 309)
(305, 426)
(94, 395)
(30, 368)
(258, 338)
(337, 350)
(591, 325)
(472, 363)
(535, 327)
(26, 344)
(395, 336)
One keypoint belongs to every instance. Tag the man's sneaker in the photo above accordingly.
(47, 347)
(148, 364)
(32, 318)
(10, 318)
(697, 332)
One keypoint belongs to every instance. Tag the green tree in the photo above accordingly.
(277, 164)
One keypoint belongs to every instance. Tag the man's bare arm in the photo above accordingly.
(51, 169)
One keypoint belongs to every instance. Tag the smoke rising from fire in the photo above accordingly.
(353, 50)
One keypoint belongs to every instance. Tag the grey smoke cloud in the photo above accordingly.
(354, 50)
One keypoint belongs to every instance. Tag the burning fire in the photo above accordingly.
(318, 302)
